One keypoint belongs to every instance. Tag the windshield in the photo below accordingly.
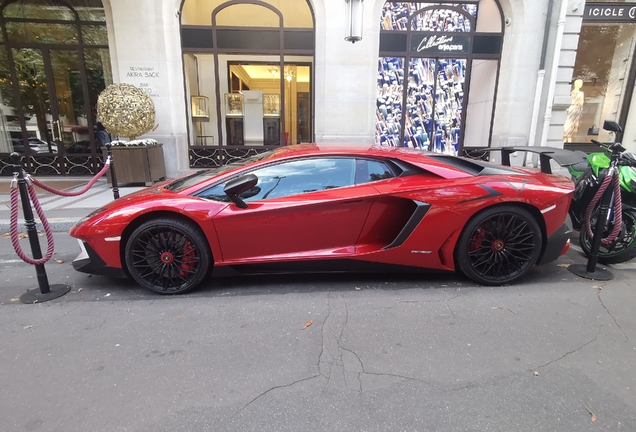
(199, 176)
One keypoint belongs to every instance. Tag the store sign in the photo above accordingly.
(610, 12)
(148, 78)
(436, 44)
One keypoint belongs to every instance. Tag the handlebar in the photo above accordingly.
(611, 147)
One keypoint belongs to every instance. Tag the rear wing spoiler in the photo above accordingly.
(561, 156)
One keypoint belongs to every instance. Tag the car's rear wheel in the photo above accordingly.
(499, 245)
(168, 256)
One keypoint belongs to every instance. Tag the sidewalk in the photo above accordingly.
(61, 212)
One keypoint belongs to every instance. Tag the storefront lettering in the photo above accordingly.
(609, 12)
(442, 43)
(606, 12)
(140, 77)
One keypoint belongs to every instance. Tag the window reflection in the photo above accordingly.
(293, 178)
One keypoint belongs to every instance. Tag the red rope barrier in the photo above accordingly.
(15, 240)
(617, 208)
(69, 194)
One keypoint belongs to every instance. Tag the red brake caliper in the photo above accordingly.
(478, 238)
(189, 258)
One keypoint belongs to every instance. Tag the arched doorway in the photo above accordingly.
(437, 74)
(54, 62)
(248, 68)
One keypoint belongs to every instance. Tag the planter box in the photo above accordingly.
(138, 164)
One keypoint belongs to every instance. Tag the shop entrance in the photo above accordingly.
(248, 77)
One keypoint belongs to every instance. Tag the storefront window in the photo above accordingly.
(599, 87)
(422, 87)
(251, 66)
(46, 70)
(296, 14)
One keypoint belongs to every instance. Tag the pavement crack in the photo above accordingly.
(573, 351)
(67, 312)
(346, 320)
(408, 378)
(598, 295)
(276, 388)
(451, 310)
(322, 337)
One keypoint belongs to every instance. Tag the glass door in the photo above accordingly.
(72, 130)
(52, 96)
(36, 134)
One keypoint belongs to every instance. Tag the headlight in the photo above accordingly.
(90, 215)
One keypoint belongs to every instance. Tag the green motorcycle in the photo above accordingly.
(589, 176)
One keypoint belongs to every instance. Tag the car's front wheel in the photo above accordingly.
(499, 245)
(168, 256)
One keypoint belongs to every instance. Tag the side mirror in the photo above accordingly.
(612, 126)
(235, 187)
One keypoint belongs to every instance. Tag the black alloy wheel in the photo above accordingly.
(499, 245)
(168, 256)
(622, 249)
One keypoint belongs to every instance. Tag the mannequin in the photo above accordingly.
(574, 112)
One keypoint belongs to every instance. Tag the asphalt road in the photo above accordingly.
(318, 353)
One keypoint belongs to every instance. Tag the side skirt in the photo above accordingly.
(318, 266)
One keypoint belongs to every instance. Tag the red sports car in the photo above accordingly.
(330, 208)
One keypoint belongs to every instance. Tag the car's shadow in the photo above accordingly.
(97, 287)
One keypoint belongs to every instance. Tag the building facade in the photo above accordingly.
(232, 78)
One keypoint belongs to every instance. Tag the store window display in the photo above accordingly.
(603, 79)
(574, 112)
(422, 88)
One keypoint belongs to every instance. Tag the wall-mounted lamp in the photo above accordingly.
(354, 20)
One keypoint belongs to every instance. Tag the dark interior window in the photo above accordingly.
(371, 170)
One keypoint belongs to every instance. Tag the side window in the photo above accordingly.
(293, 178)
(371, 170)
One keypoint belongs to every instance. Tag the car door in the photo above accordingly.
(302, 208)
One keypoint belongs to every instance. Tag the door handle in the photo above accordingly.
(52, 124)
(59, 130)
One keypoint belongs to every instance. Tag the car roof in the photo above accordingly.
(422, 158)
(347, 149)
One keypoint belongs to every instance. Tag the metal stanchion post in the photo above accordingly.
(46, 292)
(590, 271)
(113, 177)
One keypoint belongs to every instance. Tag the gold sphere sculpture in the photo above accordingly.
(126, 110)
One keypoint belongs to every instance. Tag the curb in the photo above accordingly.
(57, 224)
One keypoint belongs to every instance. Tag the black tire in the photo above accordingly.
(168, 256)
(620, 250)
(498, 245)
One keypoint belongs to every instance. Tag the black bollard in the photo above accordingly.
(46, 292)
(590, 271)
(113, 177)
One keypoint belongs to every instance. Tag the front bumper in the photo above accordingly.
(556, 245)
(89, 262)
